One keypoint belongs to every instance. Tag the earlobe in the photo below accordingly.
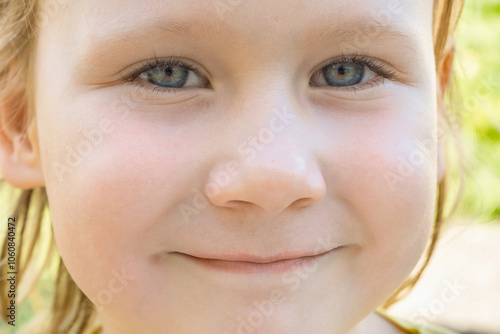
(20, 162)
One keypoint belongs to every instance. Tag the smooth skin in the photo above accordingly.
(249, 160)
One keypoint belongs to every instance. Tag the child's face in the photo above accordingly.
(261, 156)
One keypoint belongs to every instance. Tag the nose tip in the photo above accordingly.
(272, 181)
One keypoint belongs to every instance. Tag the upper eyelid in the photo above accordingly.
(361, 59)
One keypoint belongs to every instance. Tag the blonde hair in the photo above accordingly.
(72, 311)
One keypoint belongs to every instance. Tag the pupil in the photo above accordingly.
(341, 70)
(169, 71)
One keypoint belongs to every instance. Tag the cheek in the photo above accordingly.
(112, 189)
(386, 174)
(394, 185)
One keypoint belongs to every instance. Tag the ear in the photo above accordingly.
(444, 73)
(19, 154)
(445, 68)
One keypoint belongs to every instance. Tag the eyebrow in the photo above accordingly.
(328, 31)
(166, 28)
(100, 41)
(179, 28)
(358, 33)
(353, 33)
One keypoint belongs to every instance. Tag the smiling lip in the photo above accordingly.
(247, 264)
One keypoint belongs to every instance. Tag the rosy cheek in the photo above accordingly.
(383, 164)
(107, 204)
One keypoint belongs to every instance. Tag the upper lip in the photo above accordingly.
(256, 258)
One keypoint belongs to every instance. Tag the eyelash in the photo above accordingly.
(382, 72)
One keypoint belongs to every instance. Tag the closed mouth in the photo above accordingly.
(246, 264)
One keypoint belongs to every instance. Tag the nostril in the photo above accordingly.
(303, 202)
(237, 204)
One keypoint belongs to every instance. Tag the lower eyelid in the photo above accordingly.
(374, 82)
(371, 83)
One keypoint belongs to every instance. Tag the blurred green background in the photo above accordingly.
(477, 79)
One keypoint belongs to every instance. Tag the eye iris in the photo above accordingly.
(168, 76)
(345, 74)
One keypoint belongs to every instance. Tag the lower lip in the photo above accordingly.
(242, 267)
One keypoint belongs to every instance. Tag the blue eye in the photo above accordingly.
(352, 73)
(344, 74)
(167, 76)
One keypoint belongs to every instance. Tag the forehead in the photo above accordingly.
(251, 20)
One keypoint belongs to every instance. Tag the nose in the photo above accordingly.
(271, 175)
